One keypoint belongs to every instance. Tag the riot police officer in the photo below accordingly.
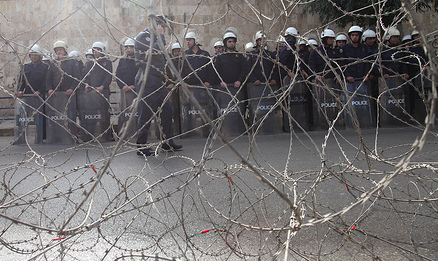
(155, 91)
(126, 69)
(98, 76)
(341, 40)
(218, 47)
(32, 84)
(230, 64)
(64, 73)
(260, 63)
(32, 79)
(196, 60)
(354, 55)
(318, 56)
(287, 55)
(125, 77)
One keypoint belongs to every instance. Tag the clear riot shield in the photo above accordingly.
(359, 109)
(126, 100)
(231, 110)
(192, 124)
(94, 116)
(61, 119)
(393, 102)
(420, 93)
(264, 114)
(298, 105)
(29, 120)
(327, 105)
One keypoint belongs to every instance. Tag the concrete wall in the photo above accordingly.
(82, 22)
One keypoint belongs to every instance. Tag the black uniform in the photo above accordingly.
(125, 72)
(231, 67)
(319, 66)
(195, 66)
(304, 61)
(155, 90)
(392, 61)
(96, 75)
(263, 63)
(354, 60)
(287, 55)
(33, 78)
(63, 75)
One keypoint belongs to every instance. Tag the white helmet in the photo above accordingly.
(229, 35)
(218, 43)
(129, 42)
(60, 44)
(301, 42)
(36, 49)
(291, 31)
(355, 28)
(368, 34)
(341, 37)
(392, 32)
(312, 42)
(192, 35)
(89, 52)
(281, 39)
(328, 33)
(99, 45)
(259, 35)
(415, 32)
(249, 47)
(75, 54)
(407, 38)
(176, 46)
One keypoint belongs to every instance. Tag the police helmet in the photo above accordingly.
(36, 49)
(176, 46)
(328, 33)
(355, 28)
(368, 34)
(312, 42)
(129, 42)
(193, 35)
(392, 32)
(99, 45)
(291, 31)
(75, 54)
(249, 47)
(58, 44)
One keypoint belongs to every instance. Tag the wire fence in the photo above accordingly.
(335, 181)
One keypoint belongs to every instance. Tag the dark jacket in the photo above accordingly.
(319, 66)
(63, 75)
(97, 73)
(304, 61)
(142, 45)
(392, 61)
(33, 78)
(355, 60)
(287, 55)
(231, 67)
(126, 71)
(263, 62)
(197, 62)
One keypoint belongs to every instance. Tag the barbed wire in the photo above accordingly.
(332, 189)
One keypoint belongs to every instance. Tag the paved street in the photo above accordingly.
(203, 203)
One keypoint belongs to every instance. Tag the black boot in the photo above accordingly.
(143, 151)
(171, 146)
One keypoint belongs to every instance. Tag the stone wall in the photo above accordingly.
(81, 22)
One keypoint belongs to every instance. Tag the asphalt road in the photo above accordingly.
(165, 204)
